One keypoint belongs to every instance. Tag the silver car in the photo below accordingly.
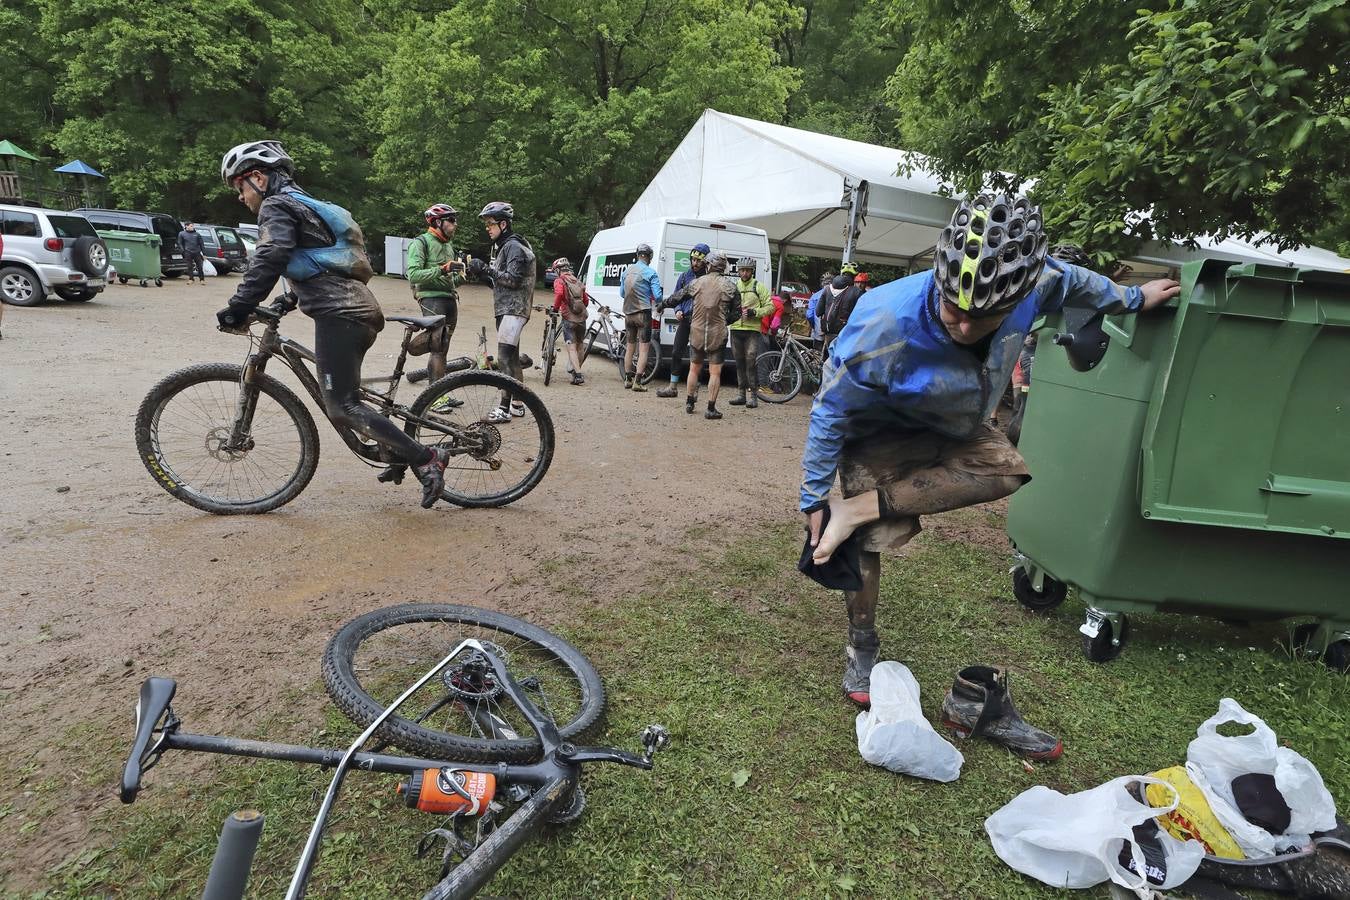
(47, 251)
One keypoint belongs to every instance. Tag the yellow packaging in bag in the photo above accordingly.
(1192, 820)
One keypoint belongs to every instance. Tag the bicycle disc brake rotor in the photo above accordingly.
(219, 447)
(473, 679)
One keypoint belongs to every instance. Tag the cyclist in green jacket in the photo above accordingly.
(434, 274)
(755, 303)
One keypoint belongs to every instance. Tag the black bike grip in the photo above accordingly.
(234, 856)
(154, 700)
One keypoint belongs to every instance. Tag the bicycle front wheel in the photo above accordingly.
(780, 377)
(464, 714)
(549, 352)
(185, 434)
(495, 459)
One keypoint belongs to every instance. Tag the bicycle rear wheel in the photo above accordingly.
(464, 714)
(492, 463)
(184, 431)
(653, 361)
(780, 377)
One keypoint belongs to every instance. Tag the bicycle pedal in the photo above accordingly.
(393, 474)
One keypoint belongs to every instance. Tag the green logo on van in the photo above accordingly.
(599, 270)
(681, 262)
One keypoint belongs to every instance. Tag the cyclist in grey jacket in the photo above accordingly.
(511, 274)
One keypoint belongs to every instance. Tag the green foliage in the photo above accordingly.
(1178, 118)
(564, 109)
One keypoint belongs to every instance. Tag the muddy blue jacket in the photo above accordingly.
(685, 303)
(895, 368)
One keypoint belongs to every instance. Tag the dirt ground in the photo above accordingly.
(108, 579)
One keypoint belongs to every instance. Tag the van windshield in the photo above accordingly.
(71, 226)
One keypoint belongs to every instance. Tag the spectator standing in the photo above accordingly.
(192, 247)
(435, 274)
(753, 303)
(641, 297)
(715, 300)
(570, 300)
(684, 305)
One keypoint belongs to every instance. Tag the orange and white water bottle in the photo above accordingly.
(449, 791)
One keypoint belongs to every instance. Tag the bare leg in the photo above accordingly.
(628, 356)
(695, 369)
(574, 355)
(641, 359)
(927, 491)
(714, 381)
(435, 366)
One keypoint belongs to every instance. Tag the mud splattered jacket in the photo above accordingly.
(512, 274)
(714, 297)
(320, 249)
(895, 368)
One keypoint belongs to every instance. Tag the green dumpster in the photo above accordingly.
(134, 254)
(1203, 466)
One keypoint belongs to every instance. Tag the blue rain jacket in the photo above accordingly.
(895, 368)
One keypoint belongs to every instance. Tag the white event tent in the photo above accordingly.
(806, 189)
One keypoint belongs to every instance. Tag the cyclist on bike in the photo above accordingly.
(714, 299)
(569, 299)
(753, 303)
(435, 273)
(684, 307)
(319, 248)
(641, 294)
(511, 274)
(908, 386)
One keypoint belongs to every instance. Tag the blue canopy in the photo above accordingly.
(79, 167)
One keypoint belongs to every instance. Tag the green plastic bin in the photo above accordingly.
(1203, 466)
(134, 254)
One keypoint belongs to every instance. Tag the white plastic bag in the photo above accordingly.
(1075, 840)
(208, 268)
(895, 735)
(1213, 761)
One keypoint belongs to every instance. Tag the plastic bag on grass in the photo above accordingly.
(895, 735)
(1079, 840)
(1214, 762)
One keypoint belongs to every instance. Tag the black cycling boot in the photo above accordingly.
(711, 412)
(689, 401)
(738, 400)
(979, 703)
(861, 650)
(432, 475)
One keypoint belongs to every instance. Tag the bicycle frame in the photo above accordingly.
(550, 782)
(294, 356)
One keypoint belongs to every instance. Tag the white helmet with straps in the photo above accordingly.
(254, 155)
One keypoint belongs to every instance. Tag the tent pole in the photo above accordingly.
(782, 257)
(853, 203)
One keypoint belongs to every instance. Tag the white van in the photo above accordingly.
(613, 249)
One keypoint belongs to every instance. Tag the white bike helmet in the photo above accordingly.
(254, 155)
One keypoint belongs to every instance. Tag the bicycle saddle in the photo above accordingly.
(418, 321)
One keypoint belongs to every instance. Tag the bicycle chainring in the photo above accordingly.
(473, 679)
(576, 805)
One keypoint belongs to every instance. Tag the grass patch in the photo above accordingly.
(763, 792)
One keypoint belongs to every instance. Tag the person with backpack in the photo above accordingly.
(569, 299)
(434, 274)
(714, 304)
(752, 304)
(684, 309)
(837, 302)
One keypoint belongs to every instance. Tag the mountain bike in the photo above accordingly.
(616, 343)
(497, 785)
(782, 372)
(232, 439)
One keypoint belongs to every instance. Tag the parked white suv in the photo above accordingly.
(48, 251)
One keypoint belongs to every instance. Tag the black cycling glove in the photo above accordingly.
(235, 315)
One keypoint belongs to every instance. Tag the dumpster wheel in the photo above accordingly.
(1051, 594)
(1105, 645)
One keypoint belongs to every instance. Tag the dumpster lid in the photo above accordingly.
(1250, 415)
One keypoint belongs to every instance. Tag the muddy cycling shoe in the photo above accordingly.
(738, 400)
(711, 412)
(392, 475)
(689, 402)
(667, 392)
(861, 651)
(980, 703)
(752, 403)
(577, 379)
(639, 387)
(432, 475)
